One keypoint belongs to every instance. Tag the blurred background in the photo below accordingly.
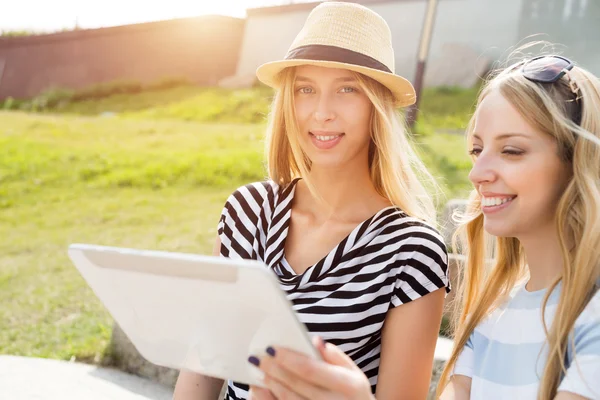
(128, 123)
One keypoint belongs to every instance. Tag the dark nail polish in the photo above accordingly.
(271, 351)
(320, 343)
(254, 361)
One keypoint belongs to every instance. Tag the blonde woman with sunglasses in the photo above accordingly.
(529, 326)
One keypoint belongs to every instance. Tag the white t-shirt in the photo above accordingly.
(506, 353)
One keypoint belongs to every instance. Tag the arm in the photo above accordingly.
(408, 343)
(459, 388)
(193, 386)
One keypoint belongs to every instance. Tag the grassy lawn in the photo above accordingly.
(48, 310)
(65, 179)
(154, 177)
(186, 103)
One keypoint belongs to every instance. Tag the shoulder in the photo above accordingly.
(256, 192)
(413, 235)
(252, 197)
(421, 256)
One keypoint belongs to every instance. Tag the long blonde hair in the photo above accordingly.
(395, 169)
(575, 126)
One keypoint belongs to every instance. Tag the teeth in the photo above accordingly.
(494, 201)
(326, 138)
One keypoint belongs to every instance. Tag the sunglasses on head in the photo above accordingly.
(549, 69)
(546, 69)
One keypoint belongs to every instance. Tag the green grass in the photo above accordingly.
(446, 157)
(48, 310)
(143, 184)
(154, 177)
(186, 103)
(40, 151)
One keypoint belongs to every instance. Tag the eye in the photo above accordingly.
(348, 89)
(305, 90)
(513, 152)
(475, 151)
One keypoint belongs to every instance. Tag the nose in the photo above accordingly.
(324, 109)
(483, 170)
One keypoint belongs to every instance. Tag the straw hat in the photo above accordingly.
(348, 36)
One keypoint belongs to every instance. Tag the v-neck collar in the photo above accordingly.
(279, 225)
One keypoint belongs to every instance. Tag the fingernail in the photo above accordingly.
(320, 343)
(254, 361)
(271, 351)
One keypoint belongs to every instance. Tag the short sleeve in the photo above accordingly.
(583, 374)
(422, 263)
(242, 220)
(466, 360)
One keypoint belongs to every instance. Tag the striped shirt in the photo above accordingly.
(387, 260)
(506, 354)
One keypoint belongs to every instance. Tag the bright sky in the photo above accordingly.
(46, 15)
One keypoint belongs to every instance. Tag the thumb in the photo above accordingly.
(332, 354)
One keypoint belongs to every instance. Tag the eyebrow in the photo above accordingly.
(342, 79)
(505, 136)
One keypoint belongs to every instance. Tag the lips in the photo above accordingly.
(325, 140)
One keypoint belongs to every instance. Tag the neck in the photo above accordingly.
(345, 191)
(544, 258)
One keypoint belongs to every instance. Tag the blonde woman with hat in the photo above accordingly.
(344, 220)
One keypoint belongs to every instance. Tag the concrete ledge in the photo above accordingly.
(36, 378)
(125, 356)
(130, 360)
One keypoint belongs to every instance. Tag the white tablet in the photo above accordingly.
(200, 313)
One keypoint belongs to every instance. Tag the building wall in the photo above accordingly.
(267, 38)
(203, 49)
(572, 24)
(468, 35)
(463, 30)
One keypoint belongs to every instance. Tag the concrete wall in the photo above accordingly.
(468, 34)
(267, 38)
(574, 24)
(203, 49)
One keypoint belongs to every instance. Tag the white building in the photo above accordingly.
(468, 34)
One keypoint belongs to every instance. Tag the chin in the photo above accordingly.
(326, 162)
(500, 228)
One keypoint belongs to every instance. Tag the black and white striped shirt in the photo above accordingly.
(387, 260)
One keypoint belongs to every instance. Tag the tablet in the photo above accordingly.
(199, 313)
